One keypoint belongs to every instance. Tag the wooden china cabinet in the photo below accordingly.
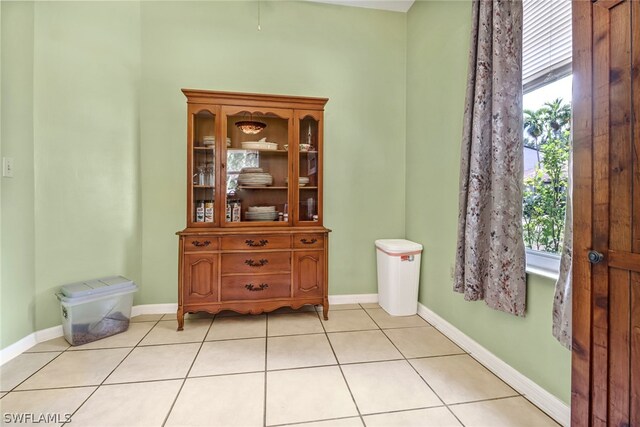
(255, 239)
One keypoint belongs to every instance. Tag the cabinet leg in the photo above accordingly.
(180, 316)
(325, 310)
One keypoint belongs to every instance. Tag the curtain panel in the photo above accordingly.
(562, 305)
(490, 256)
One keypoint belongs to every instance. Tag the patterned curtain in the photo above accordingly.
(490, 259)
(562, 298)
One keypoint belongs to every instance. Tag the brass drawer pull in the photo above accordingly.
(308, 242)
(199, 244)
(252, 263)
(256, 245)
(260, 287)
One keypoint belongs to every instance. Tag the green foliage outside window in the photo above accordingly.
(547, 130)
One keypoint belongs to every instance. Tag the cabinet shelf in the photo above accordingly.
(261, 151)
(204, 186)
(308, 188)
(212, 148)
(243, 187)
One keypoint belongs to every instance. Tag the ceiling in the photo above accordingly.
(393, 5)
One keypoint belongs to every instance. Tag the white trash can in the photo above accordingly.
(398, 275)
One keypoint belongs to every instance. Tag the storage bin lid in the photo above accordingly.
(398, 246)
(101, 286)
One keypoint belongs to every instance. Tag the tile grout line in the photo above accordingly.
(313, 421)
(39, 369)
(105, 378)
(485, 400)
(13, 389)
(61, 352)
(339, 364)
(443, 405)
(266, 349)
(173, 404)
(491, 372)
(416, 371)
(538, 408)
(517, 393)
(94, 385)
(71, 350)
(344, 378)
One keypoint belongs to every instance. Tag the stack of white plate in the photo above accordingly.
(302, 181)
(262, 208)
(259, 145)
(210, 140)
(261, 213)
(254, 177)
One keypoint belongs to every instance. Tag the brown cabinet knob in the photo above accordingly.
(199, 244)
(308, 242)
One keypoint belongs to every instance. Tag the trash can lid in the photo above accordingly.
(398, 245)
(96, 287)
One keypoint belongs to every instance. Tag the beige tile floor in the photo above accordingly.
(362, 367)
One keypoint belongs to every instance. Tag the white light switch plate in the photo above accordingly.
(7, 167)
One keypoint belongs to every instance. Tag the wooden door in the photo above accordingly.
(606, 271)
(308, 274)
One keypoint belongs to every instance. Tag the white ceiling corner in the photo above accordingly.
(392, 5)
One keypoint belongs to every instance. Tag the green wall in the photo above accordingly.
(109, 130)
(97, 125)
(17, 282)
(86, 145)
(438, 43)
(353, 56)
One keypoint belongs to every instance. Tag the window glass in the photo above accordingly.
(547, 120)
(236, 161)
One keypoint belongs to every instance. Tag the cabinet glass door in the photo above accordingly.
(308, 169)
(202, 165)
(257, 167)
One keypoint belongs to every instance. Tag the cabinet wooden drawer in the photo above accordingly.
(308, 241)
(200, 243)
(256, 262)
(256, 242)
(255, 287)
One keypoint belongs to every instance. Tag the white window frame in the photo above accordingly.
(545, 264)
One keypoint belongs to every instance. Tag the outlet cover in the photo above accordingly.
(7, 167)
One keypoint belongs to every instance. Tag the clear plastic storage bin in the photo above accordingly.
(96, 309)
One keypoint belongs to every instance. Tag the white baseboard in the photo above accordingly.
(137, 310)
(353, 299)
(17, 348)
(554, 407)
(49, 333)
